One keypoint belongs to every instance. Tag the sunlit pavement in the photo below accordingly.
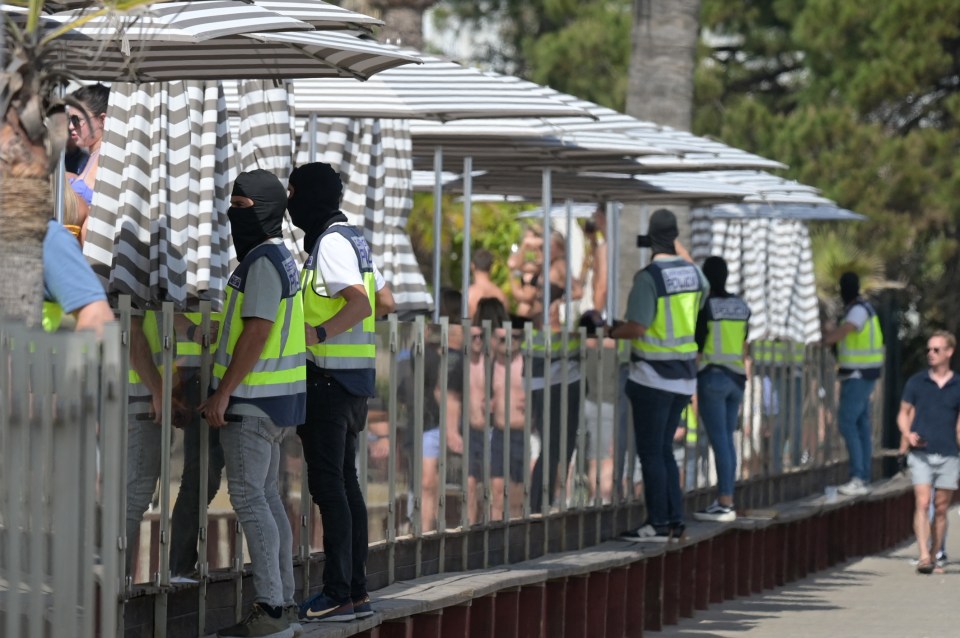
(879, 596)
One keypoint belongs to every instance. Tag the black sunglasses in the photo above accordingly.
(75, 121)
(934, 350)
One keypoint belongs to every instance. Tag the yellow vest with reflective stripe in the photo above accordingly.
(354, 349)
(727, 326)
(151, 331)
(538, 347)
(672, 334)
(52, 316)
(281, 370)
(863, 349)
(777, 352)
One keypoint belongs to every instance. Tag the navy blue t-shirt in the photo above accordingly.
(936, 413)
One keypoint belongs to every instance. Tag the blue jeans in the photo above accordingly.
(854, 417)
(788, 422)
(251, 451)
(656, 415)
(719, 399)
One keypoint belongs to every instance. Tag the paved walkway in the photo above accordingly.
(880, 596)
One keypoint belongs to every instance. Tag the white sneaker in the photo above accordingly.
(717, 513)
(854, 487)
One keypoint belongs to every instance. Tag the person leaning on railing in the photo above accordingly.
(661, 322)
(860, 350)
(343, 291)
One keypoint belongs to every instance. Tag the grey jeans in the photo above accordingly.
(251, 452)
(143, 471)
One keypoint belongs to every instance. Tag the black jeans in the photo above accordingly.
(553, 454)
(329, 437)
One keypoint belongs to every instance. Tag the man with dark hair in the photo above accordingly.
(342, 289)
(860, 352)
(480, 264)
(661, 323)
(929, 420)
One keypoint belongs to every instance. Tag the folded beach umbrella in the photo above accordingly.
(373, 159)
(158, 229)
(266, 141)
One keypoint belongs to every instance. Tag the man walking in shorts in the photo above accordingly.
(929, 419)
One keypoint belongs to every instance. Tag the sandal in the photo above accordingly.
(925, 567)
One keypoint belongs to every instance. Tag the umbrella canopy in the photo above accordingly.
(599, 187)
(218, 39)
(436, 90)
(158, 228)
(373, 159)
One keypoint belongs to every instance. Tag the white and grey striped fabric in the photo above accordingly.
(266, 141)
(321, 15)
(373, 159)
(771, 266)
(436, 90)
(218, 39)
(158, 228)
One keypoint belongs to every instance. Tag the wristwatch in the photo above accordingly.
(321, 334)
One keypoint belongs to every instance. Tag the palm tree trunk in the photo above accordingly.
(403, 21)
(25, 207)
(659, 89)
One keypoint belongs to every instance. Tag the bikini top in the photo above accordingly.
(81, 188)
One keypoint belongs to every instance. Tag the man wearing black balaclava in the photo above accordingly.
(661, 324)
(341, 288)
(259, 391)
(860, 353)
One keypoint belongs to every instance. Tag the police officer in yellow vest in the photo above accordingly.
(341, 288)
(259, 391)
(661, 322)
(722, 340)
(860, 351)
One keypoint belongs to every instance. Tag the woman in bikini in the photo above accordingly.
(86, 130)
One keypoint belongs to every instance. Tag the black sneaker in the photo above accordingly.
(647, 534)
(292, 614)
(259, 624)
(362, 607)
(321, 608)
(717, 513)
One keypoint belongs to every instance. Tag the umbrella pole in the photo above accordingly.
(568, 282)
(614, 222)
(467, 221)
(613, 277)
(312, 153)
(547, 197)
(437, 227)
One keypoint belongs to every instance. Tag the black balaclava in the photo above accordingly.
(715, 270)
(663, 231)
(250, 227)
(849, 287)
(315, 203)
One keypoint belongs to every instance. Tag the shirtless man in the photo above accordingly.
(482, 285)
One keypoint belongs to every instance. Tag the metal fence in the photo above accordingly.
(452, 441)
(61, 483)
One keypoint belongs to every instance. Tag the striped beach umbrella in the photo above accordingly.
(158, 229)
(265, 134)
(218, 39)
(373, 159)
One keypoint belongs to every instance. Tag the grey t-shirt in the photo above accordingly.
(261, 298)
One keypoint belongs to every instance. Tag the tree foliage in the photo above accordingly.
(580, 47)
(860, 99)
